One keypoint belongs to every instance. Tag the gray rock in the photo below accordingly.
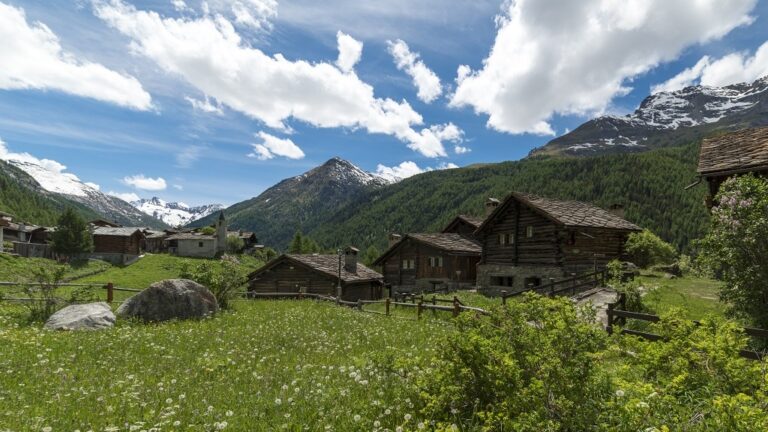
(170, 299)
(89, 316)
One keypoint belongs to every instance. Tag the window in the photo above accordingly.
(506, 239)
(436, 261)
(199, 244)
(505, 281)
(439, 261)
(529, 231)
(409, 264)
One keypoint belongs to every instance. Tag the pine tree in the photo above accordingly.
(71, 236)
(297, 244)
(370, 255)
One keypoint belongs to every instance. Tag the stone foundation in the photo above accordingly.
(488, 272)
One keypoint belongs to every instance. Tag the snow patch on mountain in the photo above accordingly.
(174, 213)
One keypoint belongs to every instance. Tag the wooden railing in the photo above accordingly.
(616, 316)
(568, 286)
(109, 287)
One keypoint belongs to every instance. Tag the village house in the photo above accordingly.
(196, 244)
(118, 245)
(318, 274)
(250, 241)
(104, 223)
(735, 153)
(154, 241)
(529, 239)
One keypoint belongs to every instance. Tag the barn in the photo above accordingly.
(118, 245)
(528, 239)
(735, 153)
(318, 274)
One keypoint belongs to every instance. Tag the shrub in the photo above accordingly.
(209, 230)
(736, 246)
(234, 244)
(647, 249)
(224, 278)
(43, 299)
(71, 236)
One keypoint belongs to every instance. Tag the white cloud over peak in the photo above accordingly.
(272, 146)
(139, 181)
(407, 169)
(426, 81)
(730, 69)
(552, 57)
(32, 58)
(350, 51)
(125, 196)
(210, 55)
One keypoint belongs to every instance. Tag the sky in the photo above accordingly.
(215, 101)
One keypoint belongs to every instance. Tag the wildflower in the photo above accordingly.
(420, 425)
(399, 429)
(220, 426)
(47, 429)
(278, 401)
(177, 423)
(642, 405)
(169, 401)
(230, 413)
(376, 424)
(619, 393)
(357, 417)
(407, 417)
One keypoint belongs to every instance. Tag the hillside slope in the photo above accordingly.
(650, 185)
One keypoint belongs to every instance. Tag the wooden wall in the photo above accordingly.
(289, 277)
(541, 249)
(583, 248)
(462, 228)
(412, 250)
(117, 244)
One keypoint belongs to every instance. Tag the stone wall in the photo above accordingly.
(486, 273)
(192, 248)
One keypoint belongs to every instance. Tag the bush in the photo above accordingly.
(736, 246)
(224, 278)
(646, 249)
(235, 244)
(43, 299)
(71, 236)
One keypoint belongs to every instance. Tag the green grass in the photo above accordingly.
(18, 269)
(696, 297)
(267, 365)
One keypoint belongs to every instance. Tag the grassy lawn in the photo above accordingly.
(696, 297)
(267, 365)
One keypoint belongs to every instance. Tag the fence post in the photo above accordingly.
(503, 297)
(359, 304)
(609, 316)
(386, 306)
(110, 292)
(551, 287)
(434, 302)
(418, 309)
(456, 308)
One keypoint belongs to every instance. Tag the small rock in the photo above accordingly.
(170, 299)
(89, 316)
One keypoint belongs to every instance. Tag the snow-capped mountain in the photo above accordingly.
(301, 202)
(174, 213)
(51, 177)
(668, 118)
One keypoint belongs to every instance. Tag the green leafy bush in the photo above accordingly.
(224, 278)
(646, 249)
(736, 246)
(234, 244)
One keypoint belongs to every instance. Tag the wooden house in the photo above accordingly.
(118, 245)
(154, 241)
(464, 225)
(318, 274)
(735, 153)
(104, 223)
(529, 239)
(419, 262)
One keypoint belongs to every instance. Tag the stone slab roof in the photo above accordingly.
(116, 231)
(449, 242)
(190, 236)
(574, 214)
(329, 264)
(734, 152)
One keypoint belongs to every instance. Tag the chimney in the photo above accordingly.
(394, 238)
(617, 210)
(490, 206)
(350, 259)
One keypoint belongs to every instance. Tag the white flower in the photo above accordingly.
(357, 417)
(278, 401)
(620, 393)
(399, 429)
(47, 429)
(230, 413)
(421, 425)
(642, 405)
(169, 401)
(177, 423)
(221, 426)
(407, 417)
(376, 424)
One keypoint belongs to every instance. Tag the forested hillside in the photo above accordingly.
(650, 185)
(23, 197)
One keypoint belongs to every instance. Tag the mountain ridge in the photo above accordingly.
(174, 214)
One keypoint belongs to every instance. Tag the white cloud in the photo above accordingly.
(407, 169)
(730, 69)
(205, 106)
(32, 58)
(350, 51)
(252, 14)
(126, 196)
(552, 57)
(426, 81)
(179, 5)
(139, 181)
(209, 54)
(272, 146)
(461, 150)
(92, 185)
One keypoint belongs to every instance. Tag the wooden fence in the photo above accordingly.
(109, 287)
(617, 316)
(568, 286)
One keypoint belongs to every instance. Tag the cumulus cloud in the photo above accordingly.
(426, 81)
(205, 105)
(407, 169)
(125, 196)
(350, 51)
(180, 5)
(209, 54)
(92, 185)
(252, 14)
(272, 146)
(461, 150)
(730, 69)
(32, 58)
(541, 64)
(139, 181)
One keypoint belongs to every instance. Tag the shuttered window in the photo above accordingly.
(506, 239)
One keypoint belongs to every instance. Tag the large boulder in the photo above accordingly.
(170, 299)
(90, 316)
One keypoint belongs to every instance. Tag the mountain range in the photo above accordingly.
(175, 214)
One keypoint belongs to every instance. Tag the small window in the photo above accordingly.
(409, 264)
(504, 281)
(439, 261)
(199, 244)
(432, 262)
(412, 264)
(529, 231)
(506, 239)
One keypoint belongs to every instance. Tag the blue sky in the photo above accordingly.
(115, 100)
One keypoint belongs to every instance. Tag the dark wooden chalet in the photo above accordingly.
(464, 225)
(318, 274)
(735, 153)
(117, 245)
(529, 239)
(419, 262)
(104, 223)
